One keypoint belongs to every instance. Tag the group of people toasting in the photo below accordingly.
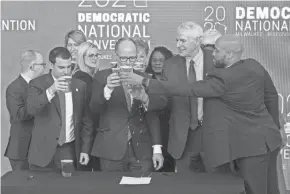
(201, 110)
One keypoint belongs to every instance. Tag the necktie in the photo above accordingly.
(192, 100)
(135, 107)
(128, 100)
(128, 97)
(62, 136)
(191, 73)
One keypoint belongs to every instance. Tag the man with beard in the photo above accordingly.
(244, 131)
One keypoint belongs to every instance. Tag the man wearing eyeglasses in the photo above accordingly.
(124, 139)
(32, 66)
(187, 113)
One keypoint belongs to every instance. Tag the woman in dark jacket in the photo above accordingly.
(87, 64)
(155, 66)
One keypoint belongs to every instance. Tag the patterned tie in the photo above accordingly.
(128, 97)
(192, 100)
(135, 107)
(128, 100)
(62, 136)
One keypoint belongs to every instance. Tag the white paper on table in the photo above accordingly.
(135, 180)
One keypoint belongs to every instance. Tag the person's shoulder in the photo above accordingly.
(83, 76)
(79, 82)
(102, 75)
(251, 61)
(253, 64)
(207, 51)
(39, 80)
(14, 85)
(79, 74)
(175, 59)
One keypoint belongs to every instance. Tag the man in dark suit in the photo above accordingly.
(32, 66)
(124, 140)
(187, 113)
(62, 126)
(244, 131)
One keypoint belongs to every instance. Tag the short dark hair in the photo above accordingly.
(164, 51)
(59, 52)
(122, 40)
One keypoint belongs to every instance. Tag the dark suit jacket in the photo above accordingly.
(115, 122)
(248, 121)
(85, 77)
(174, 73)
(21, 122)
(47, 123)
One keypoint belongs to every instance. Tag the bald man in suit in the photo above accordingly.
(21, 121)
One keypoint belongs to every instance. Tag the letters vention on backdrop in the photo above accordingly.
(42, 25)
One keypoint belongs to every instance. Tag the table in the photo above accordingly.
(108, 183)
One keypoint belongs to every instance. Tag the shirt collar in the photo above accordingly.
(53, 77)
(26, 78)
(197, 57)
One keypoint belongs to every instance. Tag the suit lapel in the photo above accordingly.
(182, 78)
(207, 62)
(75, 96)
(181, 71)
(22, 81)
(127, 98)
(55, 100)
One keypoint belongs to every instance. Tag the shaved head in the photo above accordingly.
(228, 50)
(230, 43)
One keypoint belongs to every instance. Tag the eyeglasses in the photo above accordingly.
(93, 55)
(125, 59)
(42, 64)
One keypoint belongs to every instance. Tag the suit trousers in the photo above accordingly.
(18, 165)
(191, 159)
(64, 152)
(129, 163)
(259, 173)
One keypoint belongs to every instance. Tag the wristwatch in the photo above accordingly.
(145, 82)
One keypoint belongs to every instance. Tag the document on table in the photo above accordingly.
(135, 180)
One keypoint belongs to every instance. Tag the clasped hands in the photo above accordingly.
(131, 79)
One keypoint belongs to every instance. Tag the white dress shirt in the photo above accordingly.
(198, 66)
(107, 95)
(27, 79)
(69, 128)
